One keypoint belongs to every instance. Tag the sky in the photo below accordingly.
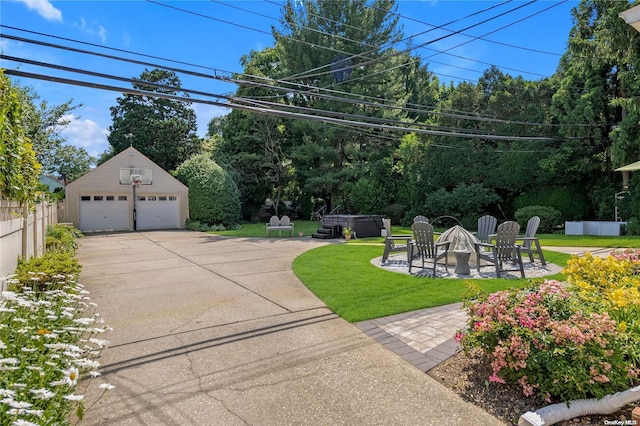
(524, 38)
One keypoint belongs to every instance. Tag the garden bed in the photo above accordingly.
(467, 376)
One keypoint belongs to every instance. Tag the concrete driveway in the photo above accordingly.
(209, 330)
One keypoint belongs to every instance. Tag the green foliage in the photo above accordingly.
(162, 129)
(364, 197)
(213, 195)
(49, 345)
(550, 218)
(551, 342)
(633, 226)
(43, 125)
(38, 271)
(19, 168)
(71, 162)
(62, 238)
(569, 201)
(465, 202)
(195, 225)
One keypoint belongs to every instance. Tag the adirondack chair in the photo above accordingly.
(425, 246)
(420, 218)
(505, 249)
(529, 240)
(395, 243)
(486, 228)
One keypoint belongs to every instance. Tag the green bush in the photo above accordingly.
(550, 218)
(465, 202)
(572, 203)
(214, 198)
(551, 342)
(363, 197)
(37, 272)
(62, 238)
(194, 225)
(633, 226)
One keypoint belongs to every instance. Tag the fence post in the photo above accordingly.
(25, 226)
(46, 219)
(35, 230)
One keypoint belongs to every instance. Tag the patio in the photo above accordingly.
(397, 262)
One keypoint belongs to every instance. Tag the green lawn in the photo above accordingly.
(344, 278)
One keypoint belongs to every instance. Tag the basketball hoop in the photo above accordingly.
(136, 180)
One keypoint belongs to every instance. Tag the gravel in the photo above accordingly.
(468, 375)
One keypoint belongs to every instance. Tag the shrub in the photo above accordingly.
(550, 218)
(363, 196)
(213, 195)
(551, 342)
(615, 282)
(195, 225)
(38, 272)
(633, 226)
(62, 238)
(465, 202)
(572, 203)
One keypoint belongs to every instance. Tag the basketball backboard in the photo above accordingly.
(127, 174)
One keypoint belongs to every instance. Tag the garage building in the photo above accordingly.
(105, 198)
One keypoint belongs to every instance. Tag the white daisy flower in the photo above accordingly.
(72, 397)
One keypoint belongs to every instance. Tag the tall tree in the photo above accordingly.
(43, 125)
(162, 129)
(71, 162)
(598, 84)
(346, 46)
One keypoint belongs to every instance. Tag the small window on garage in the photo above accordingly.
(173, 198)
(151, 198)
(162, 198)
(85, 198)
(122, 198)
(98, 198)
(111, 198)
(142, 198)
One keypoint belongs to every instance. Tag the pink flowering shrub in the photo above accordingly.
(551, 342)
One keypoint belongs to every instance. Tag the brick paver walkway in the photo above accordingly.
(424, 338)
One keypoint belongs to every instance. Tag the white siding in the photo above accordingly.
(105, 180)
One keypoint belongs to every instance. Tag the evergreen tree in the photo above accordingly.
(162, 129)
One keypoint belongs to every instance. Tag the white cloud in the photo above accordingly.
(94, 29)
(86, 134)
(45, 9)
(204, 114)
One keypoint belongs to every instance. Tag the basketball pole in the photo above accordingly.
(135, 225)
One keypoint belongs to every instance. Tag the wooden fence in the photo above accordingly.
(20, 237)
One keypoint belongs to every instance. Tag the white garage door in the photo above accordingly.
(158, 212)
(104, 213)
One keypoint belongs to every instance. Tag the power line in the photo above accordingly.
(234, 98)
(215, 75)
(458, 45)
(278, 113)
(406, 38)
(405, 51)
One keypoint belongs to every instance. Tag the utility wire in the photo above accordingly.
(234, 98)
(215, 75)
(454, 47)
(243, 26)
(435, 40)
(277, 113)
(544, 52)
(405, 39)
